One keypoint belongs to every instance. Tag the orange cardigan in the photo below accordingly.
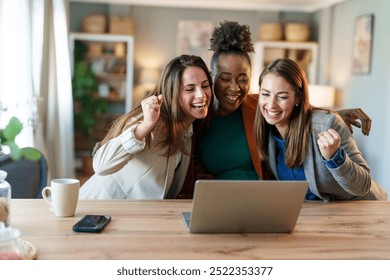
(248, 111)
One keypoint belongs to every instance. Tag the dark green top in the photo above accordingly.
(224, 149)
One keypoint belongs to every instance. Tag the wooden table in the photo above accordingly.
(155, 230)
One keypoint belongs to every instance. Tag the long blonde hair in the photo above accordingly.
(170, 128)
(297, 135)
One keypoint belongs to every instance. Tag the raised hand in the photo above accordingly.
(151, 110)
(328, 142)
(351, 117)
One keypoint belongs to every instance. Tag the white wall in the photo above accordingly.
(370, 92)
(156, 28)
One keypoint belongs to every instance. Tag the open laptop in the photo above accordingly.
(227, 206)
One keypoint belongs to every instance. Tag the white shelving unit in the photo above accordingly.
(114, 70)
(305, 53)
(127, 77)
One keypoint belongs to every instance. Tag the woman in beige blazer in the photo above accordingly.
(145, 154)
(300, 142)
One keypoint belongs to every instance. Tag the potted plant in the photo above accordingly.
(87, 103)
(7, 138)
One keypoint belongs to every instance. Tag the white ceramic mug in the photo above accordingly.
(62, 195)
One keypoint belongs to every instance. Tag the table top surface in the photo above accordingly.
(155, 230)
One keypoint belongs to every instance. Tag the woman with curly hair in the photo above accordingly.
(227, 149)
(146, 153)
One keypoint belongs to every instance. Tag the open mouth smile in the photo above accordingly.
(199, 105)
(272, 114)
(232, 98)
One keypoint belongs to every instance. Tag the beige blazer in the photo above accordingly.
(126, 169)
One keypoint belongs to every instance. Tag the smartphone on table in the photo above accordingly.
(92, 223)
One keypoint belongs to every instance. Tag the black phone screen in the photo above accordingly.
(92, 223)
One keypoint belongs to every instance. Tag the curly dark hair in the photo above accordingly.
(231, 36)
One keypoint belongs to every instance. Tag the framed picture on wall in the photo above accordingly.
(193, 37)
(362, 44)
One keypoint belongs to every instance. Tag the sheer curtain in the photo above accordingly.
(16, 91)
(35, 78)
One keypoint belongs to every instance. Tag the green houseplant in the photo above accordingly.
(87, 103)
(7, 138)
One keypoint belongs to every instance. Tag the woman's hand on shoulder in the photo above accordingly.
(151, 107)
(352, 117)
(328, 142)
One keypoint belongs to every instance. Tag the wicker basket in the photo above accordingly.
(270, 31)
(296, 32)
(95, 24)
(121, 25)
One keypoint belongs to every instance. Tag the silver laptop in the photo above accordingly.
(221, 206)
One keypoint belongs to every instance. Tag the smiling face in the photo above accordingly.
(195, 94)
(277, 101)
(231, 82)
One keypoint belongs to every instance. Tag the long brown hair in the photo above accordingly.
(170, 129)
(297, 135)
